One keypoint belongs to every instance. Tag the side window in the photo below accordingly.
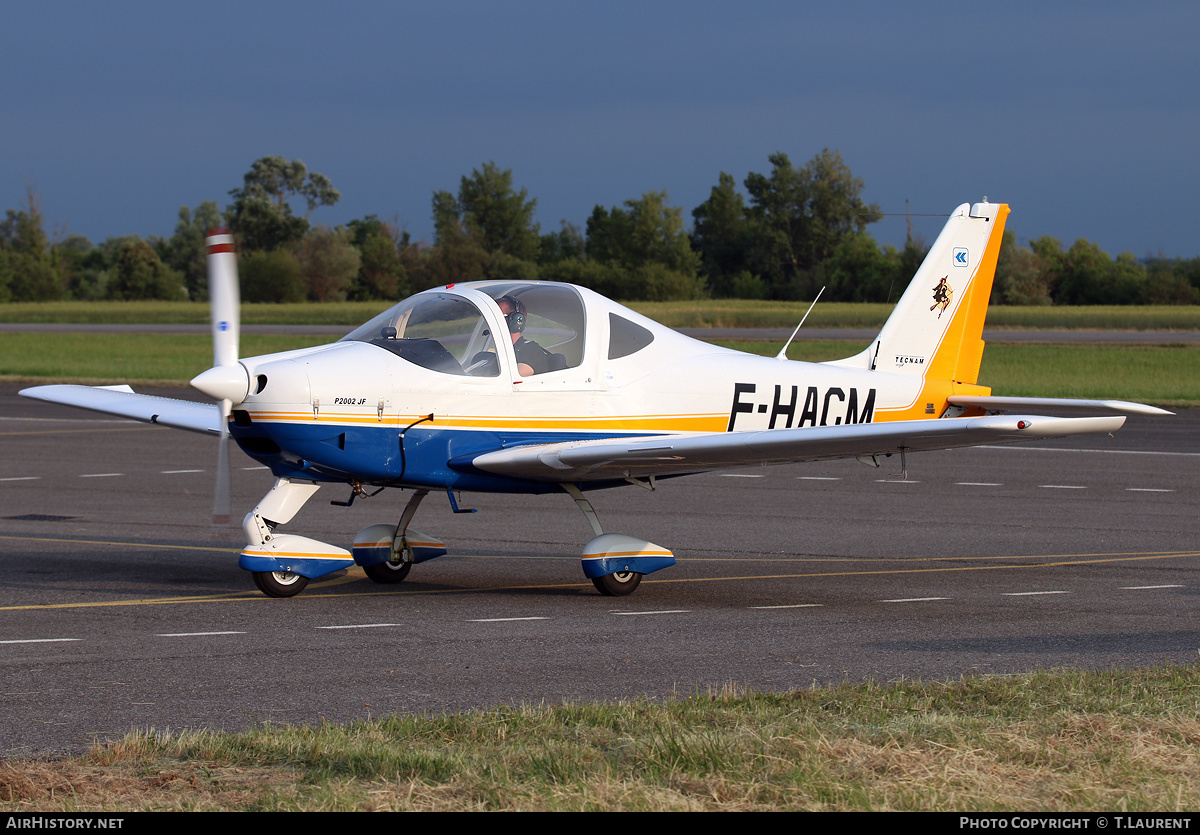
(625, 337)
(554, 323)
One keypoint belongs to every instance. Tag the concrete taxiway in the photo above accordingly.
(121, 607)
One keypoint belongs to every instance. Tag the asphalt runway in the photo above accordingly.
(121, 607)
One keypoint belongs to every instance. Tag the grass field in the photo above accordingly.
(1120, 740)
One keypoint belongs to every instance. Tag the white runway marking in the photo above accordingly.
(502, 620)
(361, 626)
(913, 599)
(978, 484)
(22, 478)
(741, 475)
(1148, 490)
(40, 640)
(1140, 588)
(100, 475)
(1063, 486)
(662, 612)
(1105, 451)
(817, 478)
(1031, 593)
(176, 472)
(790, 606)
(194, 634)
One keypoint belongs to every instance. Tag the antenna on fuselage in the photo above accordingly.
(782, 355)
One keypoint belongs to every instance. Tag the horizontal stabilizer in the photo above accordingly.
(124, 402)
(662, 455)
(1002, 404)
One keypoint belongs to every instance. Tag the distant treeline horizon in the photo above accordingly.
(782, 235)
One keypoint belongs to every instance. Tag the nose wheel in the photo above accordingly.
(279, 583)
(387, 572)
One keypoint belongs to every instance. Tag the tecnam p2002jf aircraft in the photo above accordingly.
(536, 387)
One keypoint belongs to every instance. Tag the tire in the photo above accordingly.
(279, 583)
(387, 572)
(617, 585)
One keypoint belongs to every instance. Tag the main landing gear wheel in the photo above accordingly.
(279, 583)
(618, 584)
(387, 572)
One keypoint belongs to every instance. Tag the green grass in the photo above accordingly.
(1098, 317)
(729, 313)
(1046, 741)
(1166, 375)
(746, 313)
(102, 359)
(188, 313)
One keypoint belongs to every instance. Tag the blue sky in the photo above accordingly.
(1083, 116)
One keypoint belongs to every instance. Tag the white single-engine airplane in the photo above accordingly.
(447, 390)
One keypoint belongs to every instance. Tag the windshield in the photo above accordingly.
(435, 331)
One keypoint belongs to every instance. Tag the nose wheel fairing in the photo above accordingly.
(295, 555)
(269, 552)
(389, 543)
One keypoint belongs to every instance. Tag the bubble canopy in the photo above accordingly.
(445, 329)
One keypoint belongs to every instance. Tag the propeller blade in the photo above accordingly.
(226, 380)
(221, 491)
(223, 296)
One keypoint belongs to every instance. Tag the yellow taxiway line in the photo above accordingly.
(355, 574)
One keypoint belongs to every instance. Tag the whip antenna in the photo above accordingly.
(782, 355)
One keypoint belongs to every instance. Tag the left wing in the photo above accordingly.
(659, 455)
(124, 402)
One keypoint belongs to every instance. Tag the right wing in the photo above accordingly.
(660, 455)
(124, 402)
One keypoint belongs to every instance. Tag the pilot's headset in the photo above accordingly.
(515, 319)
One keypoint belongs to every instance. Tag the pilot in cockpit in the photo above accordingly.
(531, 357)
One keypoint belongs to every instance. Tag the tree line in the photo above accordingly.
(783, 235)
